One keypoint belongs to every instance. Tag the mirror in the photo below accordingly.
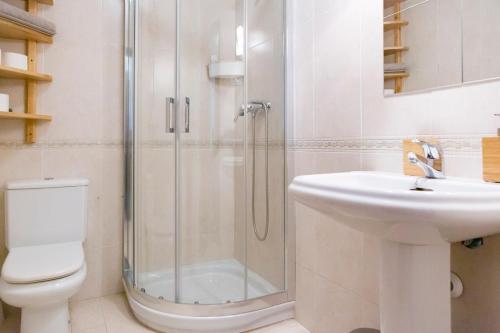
(429, 44)
(481, 40)
(422, 45)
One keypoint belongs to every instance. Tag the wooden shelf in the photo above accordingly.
(389, 25)
(398, 75)
(31, 76)
(46, 2)
(15, 31)
(14, 73)
(394, 49)
(390, 3)
(24, 116)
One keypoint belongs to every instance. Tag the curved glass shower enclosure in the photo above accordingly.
(204, 229)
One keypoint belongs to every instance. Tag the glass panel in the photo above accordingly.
(211, 162)
(155, 153)
(265, 166)
(129, 93)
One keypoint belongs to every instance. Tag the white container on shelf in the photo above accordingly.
(15, 60)
(4, 103)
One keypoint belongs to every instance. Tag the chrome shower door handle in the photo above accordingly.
(170, 115)
(187, 114)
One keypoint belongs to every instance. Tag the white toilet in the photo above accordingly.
(46, 223)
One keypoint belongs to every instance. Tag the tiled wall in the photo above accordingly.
(342, 122)
(85, 137)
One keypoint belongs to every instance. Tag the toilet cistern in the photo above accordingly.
(46, 223)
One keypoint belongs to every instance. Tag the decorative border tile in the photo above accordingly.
(452, 145)
(449, 144)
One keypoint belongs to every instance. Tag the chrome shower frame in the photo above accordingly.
(129, 219)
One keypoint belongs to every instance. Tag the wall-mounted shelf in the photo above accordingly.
(24, 116)
(226, 70)
(392, 76)
(46, 2)
(12, 30)
(391, 3)
(395, 25)
(14, 73)
(394, 49)
(31, 76)
(389, 25)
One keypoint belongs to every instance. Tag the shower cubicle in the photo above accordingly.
(205, 232)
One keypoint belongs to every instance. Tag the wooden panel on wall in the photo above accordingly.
(491, 159)
(413, 170)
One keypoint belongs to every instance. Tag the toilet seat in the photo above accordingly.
(42, 293)
(34, 264)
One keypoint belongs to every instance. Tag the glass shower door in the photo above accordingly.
(265, 153)
(210, 157)
(208, 137)
(154, 160)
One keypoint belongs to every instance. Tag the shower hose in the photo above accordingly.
(265, 107)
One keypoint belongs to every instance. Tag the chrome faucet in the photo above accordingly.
(253, 108)
(431, 154)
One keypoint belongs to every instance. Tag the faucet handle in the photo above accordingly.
(431, 151)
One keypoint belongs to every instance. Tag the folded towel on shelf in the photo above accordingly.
(21, 17)
(395, 68)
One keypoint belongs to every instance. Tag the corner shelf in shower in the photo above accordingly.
(31, 76)
(226, 70)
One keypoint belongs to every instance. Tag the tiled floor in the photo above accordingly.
(111, 314)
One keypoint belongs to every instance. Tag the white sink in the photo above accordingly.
(416, 228)
(387, 205)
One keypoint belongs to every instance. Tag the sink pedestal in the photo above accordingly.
(415, 288)
(415, 227)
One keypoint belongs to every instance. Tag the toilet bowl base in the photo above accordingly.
(52, 318)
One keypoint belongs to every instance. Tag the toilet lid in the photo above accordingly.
(42, 263)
